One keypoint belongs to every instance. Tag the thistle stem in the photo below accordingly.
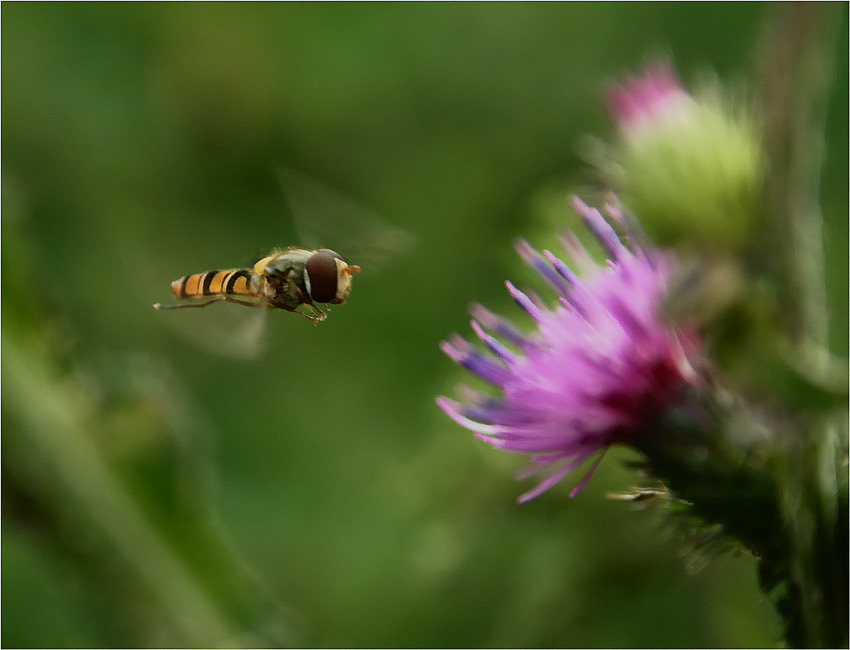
(795, 68)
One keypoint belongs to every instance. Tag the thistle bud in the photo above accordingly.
(691, 167)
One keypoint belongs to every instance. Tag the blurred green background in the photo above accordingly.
(157, 493)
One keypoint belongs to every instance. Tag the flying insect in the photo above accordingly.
(285, 279)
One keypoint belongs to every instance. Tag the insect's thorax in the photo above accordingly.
(280, 277)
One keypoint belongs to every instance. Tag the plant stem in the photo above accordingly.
(794, 68)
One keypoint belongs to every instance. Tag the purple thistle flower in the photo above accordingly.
(600, 366)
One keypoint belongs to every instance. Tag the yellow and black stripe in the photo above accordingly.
(213, 283)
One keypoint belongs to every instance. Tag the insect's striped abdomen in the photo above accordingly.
(213, 283)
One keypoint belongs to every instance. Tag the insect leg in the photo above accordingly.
(248, 303)
(211, 301)
(311, 313)
(188, 304)
(315, 313)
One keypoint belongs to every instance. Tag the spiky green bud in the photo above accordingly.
(691, 167)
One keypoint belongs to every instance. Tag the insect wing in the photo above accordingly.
(325, 218)
(226, 330)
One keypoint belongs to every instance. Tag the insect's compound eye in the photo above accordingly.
(332, 253)
(322, 275)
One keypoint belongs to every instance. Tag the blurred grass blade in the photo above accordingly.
(53, 431)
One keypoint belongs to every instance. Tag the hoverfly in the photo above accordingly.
(323, 219)
(285, 279)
